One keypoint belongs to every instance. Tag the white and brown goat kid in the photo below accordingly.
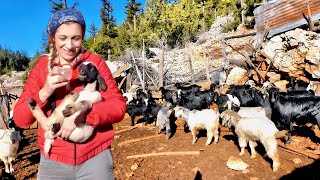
(9, 143)
(73, 106)
(206, 119)
(253, 129)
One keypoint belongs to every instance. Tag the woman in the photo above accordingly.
(69, 160)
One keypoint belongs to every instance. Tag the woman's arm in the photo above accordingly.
(22, 114)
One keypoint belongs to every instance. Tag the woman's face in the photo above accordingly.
(67, 40)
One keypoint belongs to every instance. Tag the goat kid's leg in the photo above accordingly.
(271, 146)
(6, 164)
(81, 133)
(252, 146)
(194, 133)
(209, 136)
(243, 144)
(168, 130)
(11, 169)
(72, 108)
(132, 120)
(216, 136)
(38, 114)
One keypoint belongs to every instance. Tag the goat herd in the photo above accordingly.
(254, 113)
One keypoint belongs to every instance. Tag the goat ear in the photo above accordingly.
(102, 83)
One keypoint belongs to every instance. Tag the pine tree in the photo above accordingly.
(108, 21)
(132, 8)
(93, 29)
(57, 6)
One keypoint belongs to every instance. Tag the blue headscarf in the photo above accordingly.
(65, 15)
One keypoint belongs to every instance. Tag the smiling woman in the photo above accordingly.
(47, 85)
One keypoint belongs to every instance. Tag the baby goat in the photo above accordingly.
(9, 143)
(163, 119)
(73, 105)
(254, 129)
(197, 120)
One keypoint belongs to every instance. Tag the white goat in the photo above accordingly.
(71, 107)
(197, 120)
(254, 129)
(9, 143)
(163, 119)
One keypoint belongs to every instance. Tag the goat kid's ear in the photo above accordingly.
(102, 83)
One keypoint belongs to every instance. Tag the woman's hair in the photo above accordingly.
(52, 52)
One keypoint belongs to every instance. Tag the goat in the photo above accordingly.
(9, 143)
(163, 119)
(136, 108)
(248, 96)
(253, 129)
(197, 120)
(226, 101)
(128, 97)
(289, 109)
(73, 105)
(166, 95)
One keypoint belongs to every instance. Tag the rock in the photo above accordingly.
(281, 85)
(273, 77)
(296, 161)
(236, 164)
(237, 76)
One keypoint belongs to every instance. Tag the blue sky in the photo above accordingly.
(23, 23)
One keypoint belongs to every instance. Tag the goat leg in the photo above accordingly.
(132, 120)
(38, 114)
(209, 137)
(242, 144)
(10, 164)
(252, 146)
(194, 135)
(289, 134)
(6, 164)
(168, 130)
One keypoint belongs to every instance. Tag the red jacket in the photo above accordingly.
(102, 115)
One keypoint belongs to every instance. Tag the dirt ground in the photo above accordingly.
(202, 162)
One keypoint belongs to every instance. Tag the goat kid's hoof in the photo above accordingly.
(32, 102)
(241, 154)
(11, 170)
(252, 156)
(275, 168)
(55, 127)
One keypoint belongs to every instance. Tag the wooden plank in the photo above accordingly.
(120, 70)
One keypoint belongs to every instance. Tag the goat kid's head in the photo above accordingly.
(88, 73)
(228, 116)
(178, 111)
(15, 136)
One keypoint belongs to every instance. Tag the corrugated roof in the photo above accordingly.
(283, 15)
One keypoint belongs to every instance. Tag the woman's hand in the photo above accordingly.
(67, 128)
(54, 80)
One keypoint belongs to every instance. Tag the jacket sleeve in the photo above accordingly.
(22, 115)
(113, 106)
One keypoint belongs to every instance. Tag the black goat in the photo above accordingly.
(248, 96)
(136, 108)
(287, 110)
(166, 95)
(296, 85)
